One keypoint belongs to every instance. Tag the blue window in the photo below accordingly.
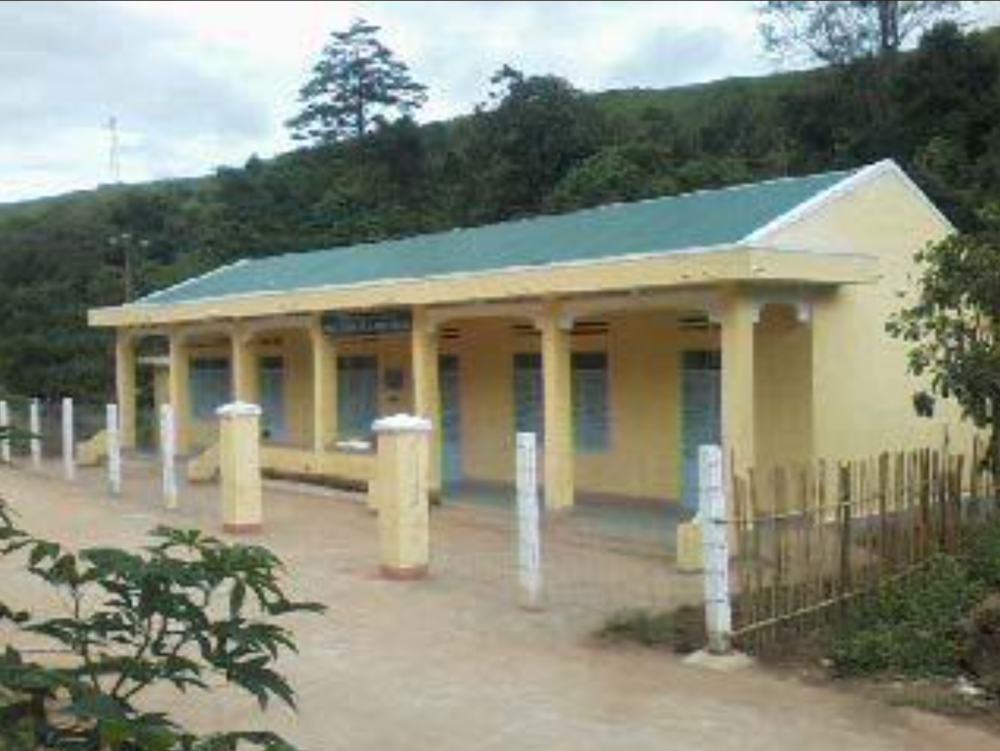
(528, 394)
(211, 386)
(590, 399)
(357, 396)
(590, 402)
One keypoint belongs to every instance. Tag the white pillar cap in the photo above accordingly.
(402, 423)
(239, 409)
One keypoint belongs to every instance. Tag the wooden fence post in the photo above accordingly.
(528, 520)
(715, 550)
(844, 497)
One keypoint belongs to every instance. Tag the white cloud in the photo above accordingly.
(199, 84)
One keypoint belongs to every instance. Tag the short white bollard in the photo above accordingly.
(68, 440)
(715, 550)
(35, 428)
(114, 445)
(528, 518)
(168, 452)
(4, 432)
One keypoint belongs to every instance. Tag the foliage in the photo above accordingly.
(356, 83)
(536, 143)
(525, 139)
(952, 326)
(842, 32)
(911, 628)
(187, 612)
(681, 630)
(984, 556)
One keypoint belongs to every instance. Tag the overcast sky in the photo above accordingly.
(195, 85)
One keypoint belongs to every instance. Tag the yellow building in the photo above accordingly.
(625, 336)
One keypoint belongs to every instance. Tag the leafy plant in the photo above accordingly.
(187, 611)
(952, 326)
(912, 628)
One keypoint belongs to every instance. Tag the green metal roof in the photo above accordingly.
(662, 225)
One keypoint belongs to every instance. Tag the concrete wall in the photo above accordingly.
(862, 393)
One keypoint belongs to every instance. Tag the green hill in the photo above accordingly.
(549, 148)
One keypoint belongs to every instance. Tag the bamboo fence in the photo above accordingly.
(810, 539)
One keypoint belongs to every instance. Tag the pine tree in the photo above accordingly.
(357, 84)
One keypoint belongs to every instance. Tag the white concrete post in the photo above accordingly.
(168, 453)
(528, 516)
(35, 428)
(114, 450)
(68, 440)
(715, 549)
(5, 427)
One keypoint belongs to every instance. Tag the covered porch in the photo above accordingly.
(621, 388)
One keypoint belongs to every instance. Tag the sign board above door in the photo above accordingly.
(338, 324)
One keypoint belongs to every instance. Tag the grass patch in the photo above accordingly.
(681, 631)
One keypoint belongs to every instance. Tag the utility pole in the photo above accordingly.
(114, 151)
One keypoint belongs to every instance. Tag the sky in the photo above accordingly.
(197, 85)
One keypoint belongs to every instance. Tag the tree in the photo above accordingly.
(524, 139)
(838, 33)
(953, 326)
(185, 612)
(357, 83)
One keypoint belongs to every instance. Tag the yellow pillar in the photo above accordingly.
(125, 362)
(427, 390)
(738, 316)
(243, 363)
(557, 393)
(324, 387)
(239, 467)
(403, 496)
(179, 391)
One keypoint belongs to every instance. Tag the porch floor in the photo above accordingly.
(648, 524)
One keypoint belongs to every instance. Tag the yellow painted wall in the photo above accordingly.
(643, 459)
(862, 393)
(644, 356)
(783, 404)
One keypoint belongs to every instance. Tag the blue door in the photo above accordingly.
(451, 419)
(701, 415)
(272, 398)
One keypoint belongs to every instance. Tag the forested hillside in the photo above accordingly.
(536, 145)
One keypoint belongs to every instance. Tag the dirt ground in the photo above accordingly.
(451, 663)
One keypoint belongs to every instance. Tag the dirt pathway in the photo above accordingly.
(449, 665)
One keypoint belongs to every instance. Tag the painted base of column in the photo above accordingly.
(412, 573)
(243, 529)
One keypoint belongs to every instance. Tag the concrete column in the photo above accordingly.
(427, 389)
(179, 391)
(404, 500)
(324, 387)
(243, 366)
(738, 316)
(558, 384)
(125, 366)
(239, 466)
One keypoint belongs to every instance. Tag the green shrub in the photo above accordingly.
(984, 555)
(912, 628)
(681, 630)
